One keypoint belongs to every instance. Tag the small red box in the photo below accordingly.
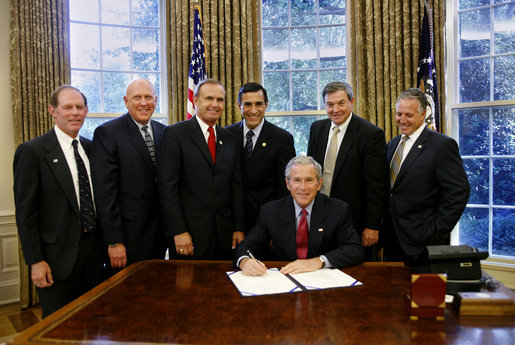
(427, 299)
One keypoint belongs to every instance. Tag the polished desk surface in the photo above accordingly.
(193, 302)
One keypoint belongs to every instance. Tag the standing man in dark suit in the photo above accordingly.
(199, 175)
(265, 151)
(54, 206)
(123, 162)
(352, 152)
(429, 187)
(308, 227)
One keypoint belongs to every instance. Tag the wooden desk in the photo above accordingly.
(193, 302)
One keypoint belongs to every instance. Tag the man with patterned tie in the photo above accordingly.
(266, 149)
(352, 152)
(54, 206)
(429, 187)
(123, 163)
(307, 228)
(199, 176)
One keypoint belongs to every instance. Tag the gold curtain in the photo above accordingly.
(40, 61)
(232, 36)
(384, 47)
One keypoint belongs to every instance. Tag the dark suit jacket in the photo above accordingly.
(47, 209)
(263, 172)
(197, 196)
(430, 192)
(361, 169)
(331, 232)
(124, 179)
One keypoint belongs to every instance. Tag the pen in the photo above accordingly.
(252, 256)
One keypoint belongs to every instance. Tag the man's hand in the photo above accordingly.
(118, 255)
(300, 266)
(250, 267)
(41, 274)
(183, 244)
(237, 237)
(369, 237)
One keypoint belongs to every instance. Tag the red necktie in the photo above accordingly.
(211, 143)
(302, 236)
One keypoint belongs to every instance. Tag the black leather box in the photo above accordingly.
(459, 262)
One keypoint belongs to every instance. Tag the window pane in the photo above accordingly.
(145, 12)
(503, 240)
(504, 180)
(504, 130)
(89, 84)
(116, 48)
(474, 228)
(464, 4)
(114, 90)
(277, 85)
(504, 66)
(473, 132)
(115, 11)
(477, 172)
(154, 79)
(299, 127)
(90, 123)
(84, 46)
(275, 49)
(332, 11)
(475, 33)
(332, 47)
(86, 11)
(275, 12)
(145, 49)
(475, 80)
(327, 77)
(304, 96)
(303, 12)
(504, 29)
(303, 48)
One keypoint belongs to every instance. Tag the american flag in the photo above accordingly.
(426, 71)
(198, 60)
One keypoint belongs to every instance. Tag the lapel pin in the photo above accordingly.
(419, 146)
(56, 160)
(263, 144)
(320, 229)
(220, 142)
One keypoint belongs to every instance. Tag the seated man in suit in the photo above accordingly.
(54, 205)
(429, 187)
(265, 151)
(310, 228)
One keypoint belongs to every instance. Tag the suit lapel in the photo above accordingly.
(349, 137)
(57, 161)
(316, 226)
(413, 154)
(158, 132)
(288, 227)
(391, 148)
(261, 146)
(136, 139)
(324, 138)
(200, 141)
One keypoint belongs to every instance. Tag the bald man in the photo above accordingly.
(124, 176)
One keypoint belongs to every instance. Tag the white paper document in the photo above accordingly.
(274, 282)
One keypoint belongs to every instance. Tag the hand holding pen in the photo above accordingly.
(252, 266)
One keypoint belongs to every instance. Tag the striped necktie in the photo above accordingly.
(395, 165)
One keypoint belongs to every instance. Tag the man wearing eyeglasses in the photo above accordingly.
(307, 228)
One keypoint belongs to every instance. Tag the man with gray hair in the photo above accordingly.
(428, 185)
(308, 228)
(352, 152)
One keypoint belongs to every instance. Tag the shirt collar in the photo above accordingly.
(298, 209)
(343, 126)
(256, 130)
(414, 136)
(64, 138)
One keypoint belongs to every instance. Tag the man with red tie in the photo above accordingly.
(308, 228)
(199, 178)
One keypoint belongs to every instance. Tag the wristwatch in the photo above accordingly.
(322, 261)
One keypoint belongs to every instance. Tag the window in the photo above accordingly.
(113, 42)
(303, 50)
(483, 114)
